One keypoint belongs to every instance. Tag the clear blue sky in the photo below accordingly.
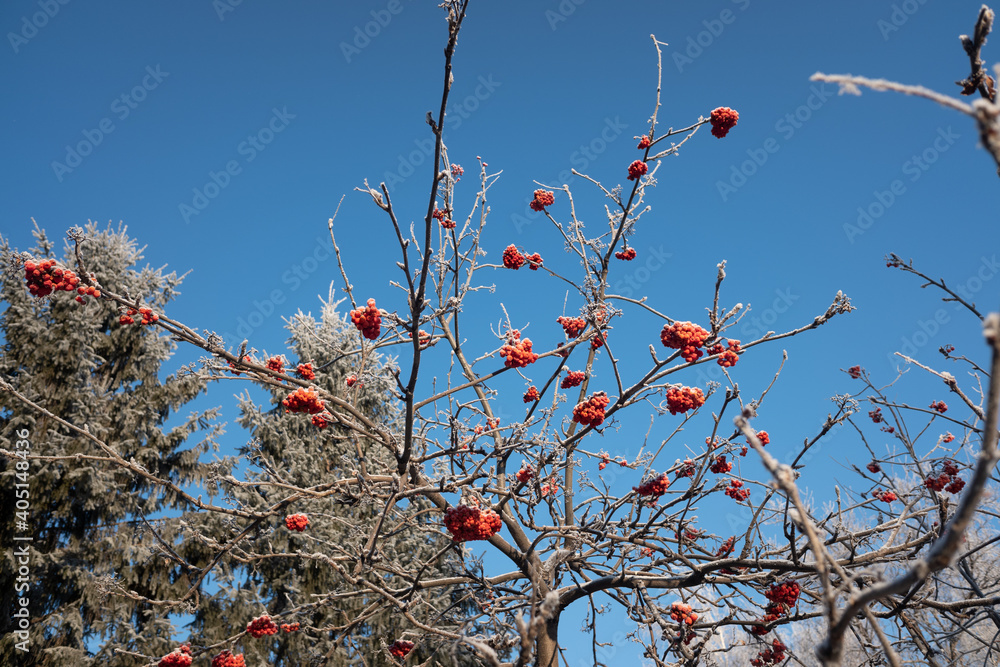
(300, 106)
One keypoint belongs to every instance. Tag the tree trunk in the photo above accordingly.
(547, 644)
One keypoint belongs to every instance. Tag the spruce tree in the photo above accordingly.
(92, 522)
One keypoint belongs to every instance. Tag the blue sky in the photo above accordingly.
(224, 134)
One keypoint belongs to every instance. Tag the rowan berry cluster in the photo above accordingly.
(551, 486)
(321, 421)
(368, 320)
(637, 169)
(467, 523)
(148, 317)
(351, 380)
(597, 342)
(591, 411)
(682, 613)
(728, 356)
(726, 548)
(512, 259)
(736, 492)
(305, 371)
(87, 290)
(764, 438)
(874, 467)
(771, 656)
(422, 336)
(534, 261)
(445, 221)
(644, 142)
(227, 659)
(884, 495)
(654, 488)
(605, 460)
(723, 119)
(628, 254)
(518, 354)
(573, 379)
(686, 337)
(785, 593)
(947, 437)
(573, 326)
(876, 416)
(297, 522)
(262, 626)
(438, 214)
(276, 364)
(947, 480)
(531, 395)
(179, 657)
(400, 648)
(457, 171)
(682, 399)
(303, 400)
(939, 406)
(686, 469)
(542, 199)
(854, 372)
(290, 627)
(448, 223)
(720, 466)
(46, 277)
(525, 473)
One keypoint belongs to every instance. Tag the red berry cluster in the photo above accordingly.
(764, 438)
(947, 437)
(290, 627)
(321, 421)
(368, 320)
(686, 469)
(227, 659)
(534, 261)
(947, 480)
(785, 593)
(46, 277)
(637, 169)
(573, 379)
(573, 326)
(723, 119)
(682, 613)
(771, 656)
(88, 290)
(940, 406)
(591, 411)
(736, 492)
(351, 380)
(562, 353)
(467, 523)
(305, 371)
(438, 214)
(728, 356)
(448, 223)
(854, 372)
(422, 336)
(276, 364)
(876, 416)
(457, 171)
(525, 473)
(884, 496)
(297, 522)
(179, 657)
(518, 354)
(512, 259)
(654, 488)
(720, 466)
(148, 316)
(261, 626)
(597, 342)
(531, 395)
(605, 460)
(627, 255)
(644, 142)
(682, 399)
(542, 199)
(874, 467)
(400, 648)
(303, 400)
(551, 486)
(686, 337)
